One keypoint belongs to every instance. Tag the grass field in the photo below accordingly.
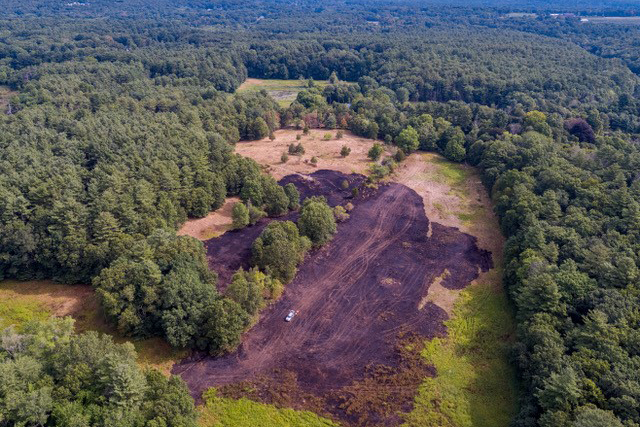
(21, 302)
(222, 412)
(283, 91)
(475, 386)
(634, 20)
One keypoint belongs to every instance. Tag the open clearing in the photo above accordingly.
(283, 91)
(633, 20)
(21, 302)
(268, 153)
(213, 225)
(358, 301)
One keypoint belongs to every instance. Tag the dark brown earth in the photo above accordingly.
(358, 300)
(232, 250)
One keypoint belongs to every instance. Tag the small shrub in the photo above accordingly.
(272, 136)
(399, 156)
(297, 150)
(375, 152)
(339, 134)
(305, 130)
(298, 137)
(255, 214)
(344, 184)
(355, 192)
(314, 160)
(284, 158)
(349, 207)
(340, 214)
(327, 136)
(345, 151)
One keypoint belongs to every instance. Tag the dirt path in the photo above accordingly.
(213, 225)
(355, 298)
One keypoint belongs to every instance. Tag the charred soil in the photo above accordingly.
(352, 351)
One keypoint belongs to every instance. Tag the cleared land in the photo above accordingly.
(213, 225)
(283, 91)
(327, 152)
(346, 353)
(475, 385)
(634, 20)
(21, 302)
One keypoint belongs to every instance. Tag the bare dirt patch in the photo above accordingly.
(213, 225)
(453, 195)
(268, 153)
(232, 250)
(358, 298)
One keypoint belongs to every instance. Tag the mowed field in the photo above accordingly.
(389, 332)
(283, 91)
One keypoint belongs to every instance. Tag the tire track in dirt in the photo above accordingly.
(355, 296)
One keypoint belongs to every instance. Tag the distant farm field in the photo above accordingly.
(634, 20)
(283, 91)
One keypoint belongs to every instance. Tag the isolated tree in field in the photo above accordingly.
(408, 140)
(279, 249)
(375, 152)
(333, 78)
(317, 221)
(314, 160)
(240, 215)
(293, 195)
(339, 134)
(345, 151)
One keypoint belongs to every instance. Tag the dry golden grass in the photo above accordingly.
(268, 153)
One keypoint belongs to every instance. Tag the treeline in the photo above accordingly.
(567, 195)
(54, 377)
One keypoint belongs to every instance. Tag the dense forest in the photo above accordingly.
(120, 121)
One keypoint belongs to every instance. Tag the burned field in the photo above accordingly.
(352, 351)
